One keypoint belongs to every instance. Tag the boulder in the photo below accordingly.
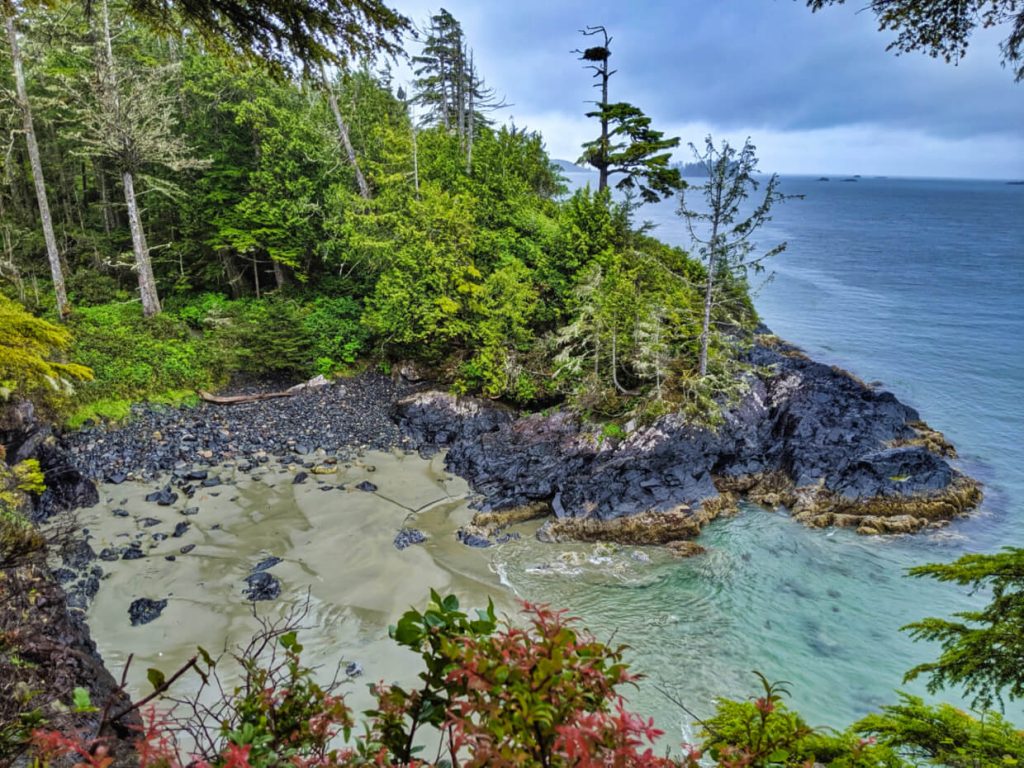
(143, 610)
(261, 585)
(408, 537)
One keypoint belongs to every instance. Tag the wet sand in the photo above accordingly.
(336, 548)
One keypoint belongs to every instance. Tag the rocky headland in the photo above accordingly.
(806, 436)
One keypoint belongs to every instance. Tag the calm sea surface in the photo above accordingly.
(919, 285)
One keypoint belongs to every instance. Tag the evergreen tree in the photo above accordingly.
(721, 231)
(628, 146)
(447, 85)
(982, 650)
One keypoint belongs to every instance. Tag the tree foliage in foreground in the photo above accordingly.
(943, 28)
(284, 33)
(983, 650)
(536, 692)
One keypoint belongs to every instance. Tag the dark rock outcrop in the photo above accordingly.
(54, 655)
(804, 435)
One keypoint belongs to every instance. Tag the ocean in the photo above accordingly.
(918, 285)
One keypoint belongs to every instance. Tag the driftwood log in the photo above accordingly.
(315, 383)
(232, 399)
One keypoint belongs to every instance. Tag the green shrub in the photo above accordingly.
(945, 735)
(207, 310)
(266, 336)
(29, 347)
(335, 331)
(134, 358)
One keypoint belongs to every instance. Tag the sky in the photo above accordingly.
(816, 92)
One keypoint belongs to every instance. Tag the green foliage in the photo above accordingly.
(943, 28)
(634, 150)
(503, 311)
(28, 348)
(133, 358)
(422, 303)
(267, 336)
(81, 702)
(336, 334)
(982, 650)
(434, 634)
(763, 732)
(18, 537)
(612, 431)
(944, 735)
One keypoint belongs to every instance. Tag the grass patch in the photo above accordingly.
(117, 410)
(110, 410)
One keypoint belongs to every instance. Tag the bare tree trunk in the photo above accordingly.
(56, 273)
(232, 273)
(346, 142)
(109, 220)
(445, 107)
(256, 274)
(143, 265)
(602, 182)
(279, 277)
(415, 162)
(615, 359)
(705, 331)
(460, 97)
(472, 120)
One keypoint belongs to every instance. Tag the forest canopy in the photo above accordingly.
(316, 221)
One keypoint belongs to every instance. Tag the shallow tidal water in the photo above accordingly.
(916, 284)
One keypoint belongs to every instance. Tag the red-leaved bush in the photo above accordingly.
(540, 693)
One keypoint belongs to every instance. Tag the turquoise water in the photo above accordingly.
(917, 284)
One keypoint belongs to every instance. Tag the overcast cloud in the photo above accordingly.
(818, 93)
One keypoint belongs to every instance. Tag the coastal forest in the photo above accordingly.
(200, 199)
(207, 216)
